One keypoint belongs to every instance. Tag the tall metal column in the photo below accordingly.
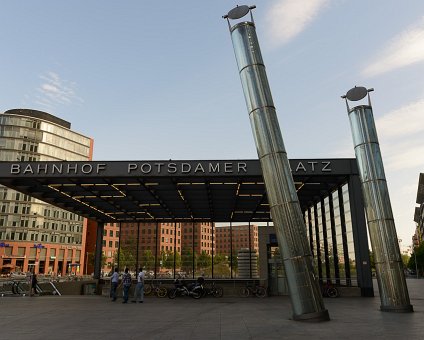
(99, 252)
(359, 229)
(119, 245)
(384, 242)
(285, 209)
(137, 245)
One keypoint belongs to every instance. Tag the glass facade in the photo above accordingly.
(168, 250)
(329, 228)
(28, 221)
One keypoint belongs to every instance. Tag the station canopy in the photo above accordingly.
(169, 190)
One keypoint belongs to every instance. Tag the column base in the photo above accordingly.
(398, 309)
(313, 317)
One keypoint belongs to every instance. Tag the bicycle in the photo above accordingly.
(155, 289)
(256, 290)
(328, 290)
(214, 290)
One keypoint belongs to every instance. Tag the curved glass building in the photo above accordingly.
(36, 236)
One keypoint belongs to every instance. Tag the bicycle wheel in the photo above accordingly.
(148, 289)
(244, 292)
(162, 292)
(218, 292)
(196, 293)
(260, 292)
(332, 292)
(172, 294)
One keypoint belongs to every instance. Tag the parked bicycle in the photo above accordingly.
(155, 289)
(195, 290)
(253, 290)
(213, 289)
(328, 290)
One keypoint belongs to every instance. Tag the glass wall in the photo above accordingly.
(330, 233)
(189, 250)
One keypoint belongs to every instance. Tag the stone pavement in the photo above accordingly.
(96, 317)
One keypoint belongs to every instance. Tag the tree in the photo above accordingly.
(148, 260)
(167, 259)
(127, 258)
(418, 256)
(204, 260)
(187, 260)
(218, 258)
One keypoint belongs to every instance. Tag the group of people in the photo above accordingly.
(126, 283)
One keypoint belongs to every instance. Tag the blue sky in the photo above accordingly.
(158, 79)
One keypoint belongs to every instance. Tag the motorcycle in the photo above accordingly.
(194, 290)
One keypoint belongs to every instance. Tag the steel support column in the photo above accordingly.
(285, 209)
(384, 242)
(138, 245)
(334, 240)
(99, 252)
(119, 246)
(359, 229)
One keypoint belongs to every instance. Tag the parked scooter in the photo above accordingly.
(194, 290)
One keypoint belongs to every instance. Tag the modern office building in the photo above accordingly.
(36, 236)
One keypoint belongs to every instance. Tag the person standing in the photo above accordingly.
(139, 289)
(126, 283)
(114, 281)
(34, 283)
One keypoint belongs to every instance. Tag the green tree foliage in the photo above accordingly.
(204, 260)
(218, 258)
(187, 260)
(127, 258)
(148, 260)
(418, 254)
(168, 259)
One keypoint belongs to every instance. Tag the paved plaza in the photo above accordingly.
(96, 317)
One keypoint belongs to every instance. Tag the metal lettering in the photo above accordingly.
(228, 167)
(146, 165)
(325, 167)
(172, 168)
(131, 167)
(72, 167)
(101, 167)
(58, 168)
(159, 166)
(185, 168)
(313, 165)
(28, 168)
(90, 168)
(241, 166)
(300, 166)
(199, 167)
(15, 169)
(41, 168)
(212, 169)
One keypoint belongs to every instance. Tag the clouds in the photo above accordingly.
(400, 131)
(287, 18)
(54, 91)
(405, 49)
